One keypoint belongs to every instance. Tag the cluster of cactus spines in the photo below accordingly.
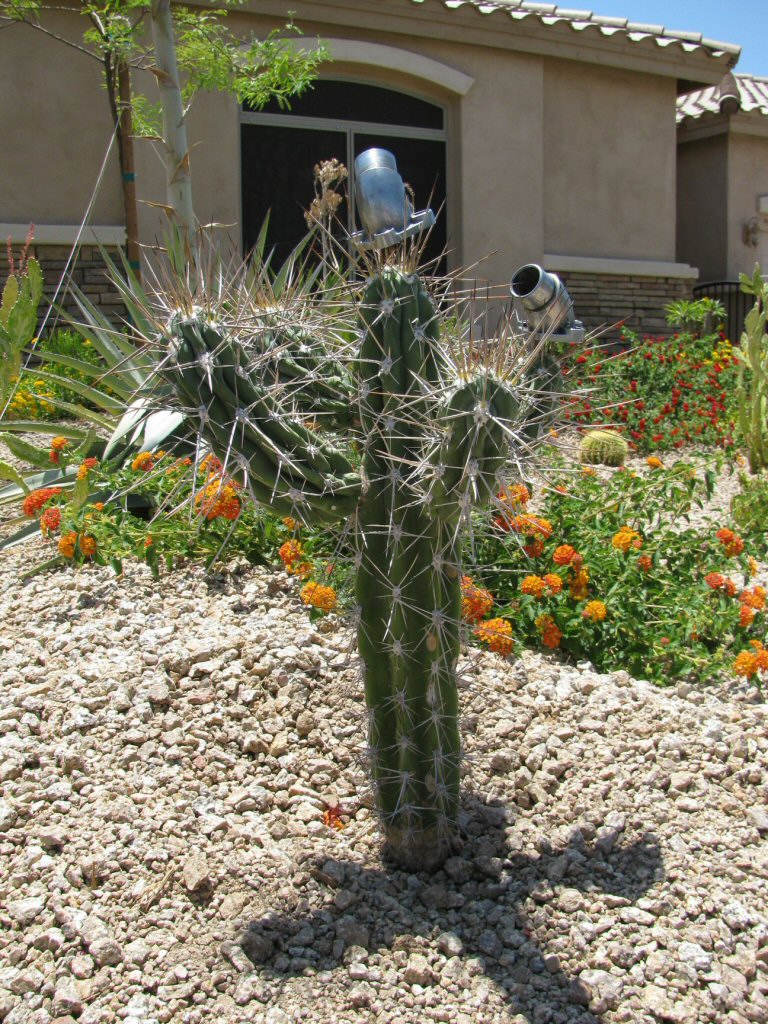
(436, 426)
(281, 462)
(603, 448)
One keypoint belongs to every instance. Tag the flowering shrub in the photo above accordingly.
(614, 582)
(37, 397)
(661, 393)
(157, 508)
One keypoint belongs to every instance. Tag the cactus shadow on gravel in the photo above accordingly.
(484, 897)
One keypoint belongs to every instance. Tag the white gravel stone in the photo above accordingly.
(611, 859)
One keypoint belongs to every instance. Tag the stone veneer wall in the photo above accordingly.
(88, 273)
(600, 299)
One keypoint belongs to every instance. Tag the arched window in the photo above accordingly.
(336, 119)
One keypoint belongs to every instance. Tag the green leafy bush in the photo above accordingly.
(605, 572)
(156, 508)
(749, 509)
(43, 386)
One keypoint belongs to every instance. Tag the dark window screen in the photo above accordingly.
(421, 164)
(350, 101)
(277, 178)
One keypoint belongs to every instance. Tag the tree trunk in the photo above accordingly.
(174, 128)
(128, 169)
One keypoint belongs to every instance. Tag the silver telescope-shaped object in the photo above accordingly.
(547, 304)
(382, 203)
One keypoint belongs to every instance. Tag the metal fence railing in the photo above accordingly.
(737, 304)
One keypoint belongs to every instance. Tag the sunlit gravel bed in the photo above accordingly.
(168, 750)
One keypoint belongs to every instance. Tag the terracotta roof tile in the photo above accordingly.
(752, 95)
(584, 20)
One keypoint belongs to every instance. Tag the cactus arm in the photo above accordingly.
(284, 465)
(478, 414)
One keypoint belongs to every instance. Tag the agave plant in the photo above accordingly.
(125, 406)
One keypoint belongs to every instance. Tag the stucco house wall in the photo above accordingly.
(723, 187)
(561, 136)
(702, 210)
(723, 177)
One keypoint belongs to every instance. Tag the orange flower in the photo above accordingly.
(88, 546)
(594, 610)
(211, 464)
(533, 585)
(578, 584)
(144, 461)
(497, 634)
(50, 520)
(754, 598)
(290, 523)
(528, 524)
(332, 817)
(58, 444)
(218, 499)
(730, 588)
(654, 462)
(746, 616)
(290, 552)
(475, 602)
(752, 563)
(715, 580)
(318, 596)
(300, 569)
(534, 549)
(554, 582)
(85, 466)
(645, 562)
(627, 538)
(67, 545)
(36, 499)
(98, 505)
(563, 554)
(517, 494)
(761, 655)
(732, 543)
(745, 665)
(551, 634)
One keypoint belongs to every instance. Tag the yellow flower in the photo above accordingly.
(67, 544)
(594, 610)
(475, 602)
(654, 462)
(143, 461)
(497, 634)
(627, 538)
(318, 596)
(533, 585)
(88, 546)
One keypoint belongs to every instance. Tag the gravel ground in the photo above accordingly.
(167, 751)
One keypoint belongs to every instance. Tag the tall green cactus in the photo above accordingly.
(435, 436)
(752, 358)
(18, 319)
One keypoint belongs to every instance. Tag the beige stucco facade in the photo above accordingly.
(723, 173)
(560, 146)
